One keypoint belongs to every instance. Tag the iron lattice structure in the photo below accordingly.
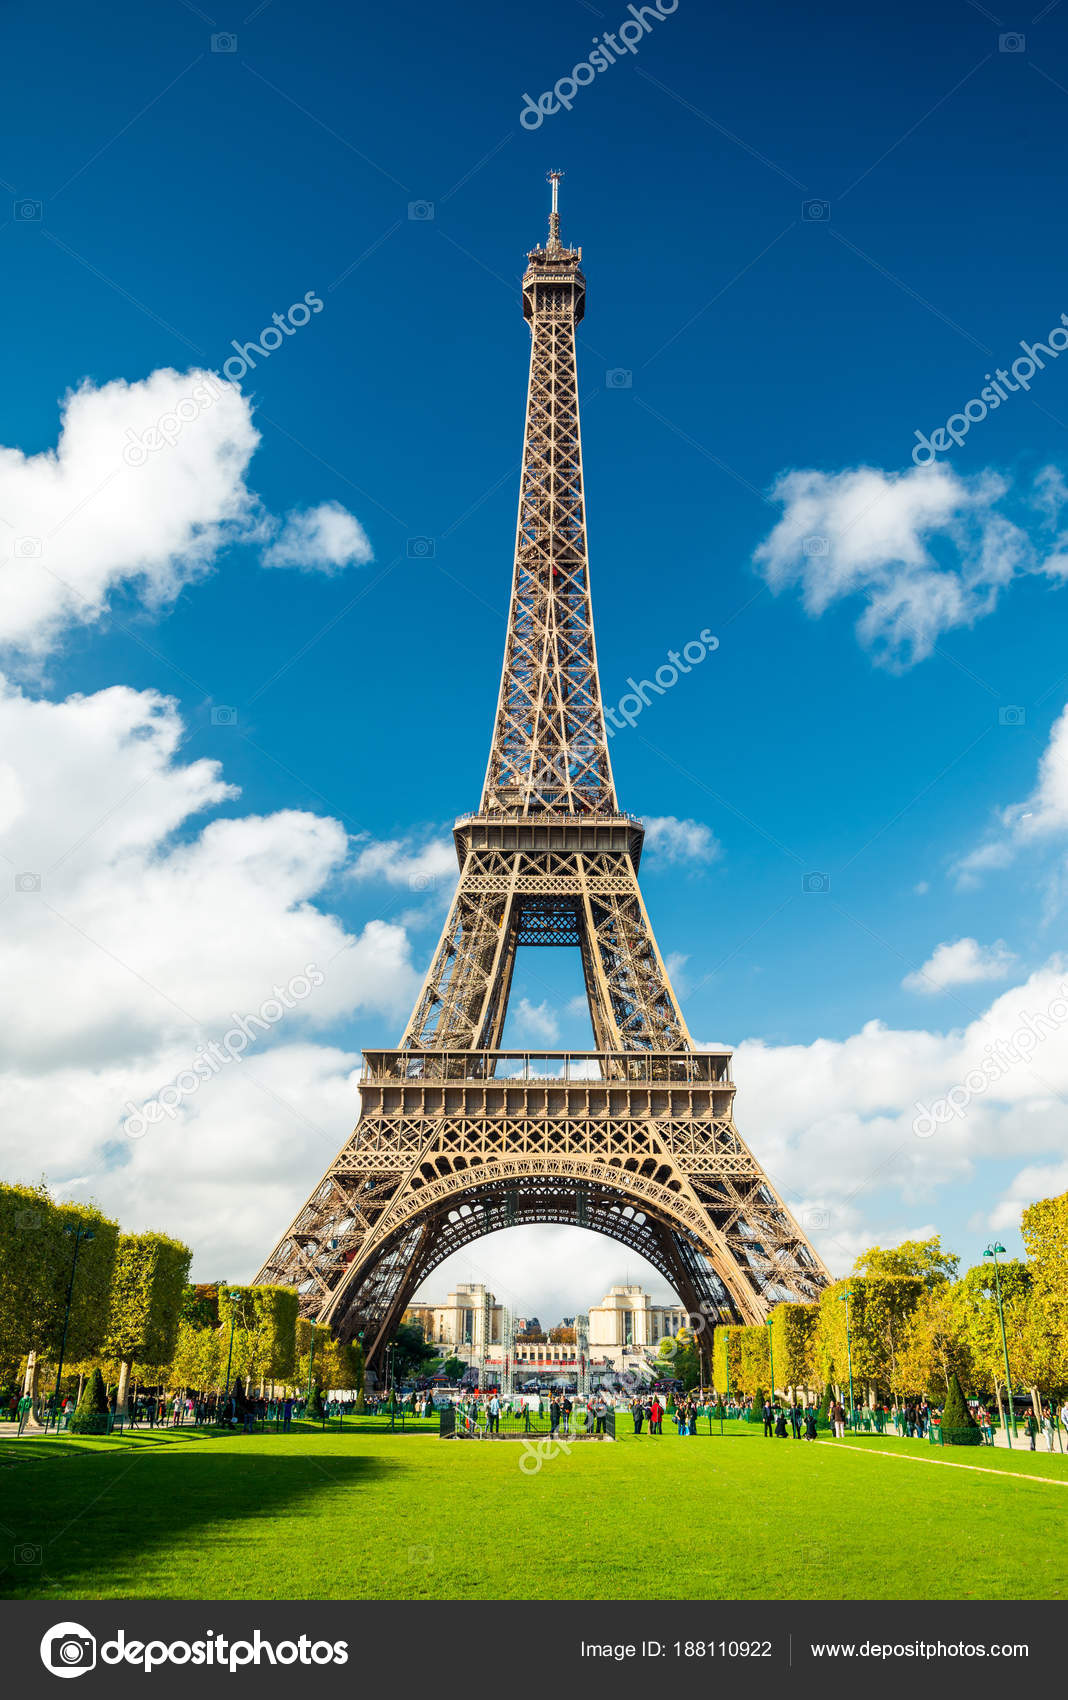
(458, 1138)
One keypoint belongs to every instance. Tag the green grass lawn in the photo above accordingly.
(369, 1515)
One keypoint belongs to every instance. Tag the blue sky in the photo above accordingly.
(376, 160)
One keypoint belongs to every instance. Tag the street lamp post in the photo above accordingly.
(225, 1293)
(391, 1384)
(1010, 1422)
(844, 1298)
(78, 1233)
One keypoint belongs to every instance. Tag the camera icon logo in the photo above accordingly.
(224, 42)
(27, 548)
(815, 546)
(816, 212)
(1012, 715)
(1012, 42)
(27, 882)
(224, 716)
(28, 1553)
(28, 212)
(618, 378)
(421, 212)
(68, 1649)
(420, 548)
(816, 882)
(816, 1218)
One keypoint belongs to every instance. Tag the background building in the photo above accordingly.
(624, 1330)
(469, 1319)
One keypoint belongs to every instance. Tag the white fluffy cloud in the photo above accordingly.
(1042, 817)
(135, 935)
(324, 539)
(672, 840)
(399, 862)
(537, 1021)
(145, 486)
(926, 550)
(960, 962)
(835, 1121)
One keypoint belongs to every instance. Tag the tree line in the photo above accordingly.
(78, 1293)
(905, 1323)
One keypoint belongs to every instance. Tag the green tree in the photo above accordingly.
(453, 1368)
(727, 1360)
(265, 1324)
(92, 1413)
(147, 1287)
(686, 1361)
(199, 1360)
(958, 1426)
(922, 1260)
(1045, 1235)
(793, 1341)
(314, 1343)
(936, 1347)
(977, 1298)
(200, 1303)
(37, 1261)
(755, 1359)
(879, 1316)
(411, 1352)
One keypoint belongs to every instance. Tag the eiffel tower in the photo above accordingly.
(458, 1138)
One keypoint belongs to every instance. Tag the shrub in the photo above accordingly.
(958, 1427)
(91, 1417)
(756, 1409)
(313, 1410)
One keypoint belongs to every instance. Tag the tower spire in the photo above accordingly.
(554, 247)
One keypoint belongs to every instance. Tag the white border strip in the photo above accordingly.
(951, 1464)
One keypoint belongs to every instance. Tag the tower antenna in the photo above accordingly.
(554, 177)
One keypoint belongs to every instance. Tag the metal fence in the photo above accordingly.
(476, 1422)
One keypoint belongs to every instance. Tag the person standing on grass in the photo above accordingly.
(494, 1421)
(796, 1415)
(554, 1416)
(769, 1424)
(637, 1410)
(656, 1415)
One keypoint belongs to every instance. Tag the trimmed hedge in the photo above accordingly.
(91, 1417)
(958, 1427)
